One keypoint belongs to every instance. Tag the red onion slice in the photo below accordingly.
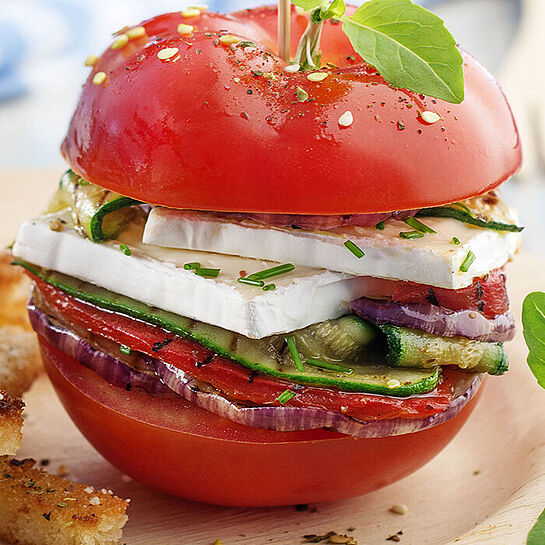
(316, 223)
(298, 418)
(114, 371)
(437, 320)
(285, 418)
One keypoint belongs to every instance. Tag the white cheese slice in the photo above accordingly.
(156, 276)
(432, 259)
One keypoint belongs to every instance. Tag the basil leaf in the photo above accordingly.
(537, 533)
(533, 322)
(409, 46)
(307, 5)
(335, 10)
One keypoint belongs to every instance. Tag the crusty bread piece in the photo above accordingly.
(11, 422)
(37, 508)
(20, 361)
(14, 291)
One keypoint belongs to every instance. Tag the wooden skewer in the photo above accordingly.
(284, 16)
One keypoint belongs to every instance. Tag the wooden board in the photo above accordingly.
(487, 487)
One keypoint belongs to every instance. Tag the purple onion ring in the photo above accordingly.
(437, 320)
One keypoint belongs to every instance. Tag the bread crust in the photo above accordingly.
(11, 423)
(38, 508)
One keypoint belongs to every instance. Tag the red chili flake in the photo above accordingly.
(242, 273)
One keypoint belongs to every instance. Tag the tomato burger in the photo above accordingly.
(264, 283)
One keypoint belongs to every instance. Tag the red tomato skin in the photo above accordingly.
(184, 133)
(187, 452)
(487, 295)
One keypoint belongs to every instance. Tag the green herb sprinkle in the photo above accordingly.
(411, 234)
(468, 261)
(209, 273)
(295, 354)
(418, 225)
(273, 271)
(251, 282)
(329, 366)
(285, 396)
(358, 252)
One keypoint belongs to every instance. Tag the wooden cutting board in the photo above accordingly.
(486, 487)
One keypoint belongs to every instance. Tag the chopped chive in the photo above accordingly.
(294, 354)
(125, 349)
(418, 225)
(380, 226)
(411, 234)
(209, 273)
(125, 249)
(456, 241)
(251, 282)
(329, 366)
(468, 261)
(273, 271)
(285, 396)
(269, 287)
(192, 266)
(354, 249)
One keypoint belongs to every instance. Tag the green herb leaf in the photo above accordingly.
(537, 533)
(335, 10)
(307, 5)
(533, 323)
(409, 46)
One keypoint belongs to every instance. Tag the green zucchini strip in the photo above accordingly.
(465, 216)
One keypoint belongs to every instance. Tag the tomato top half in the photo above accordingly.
(219, 127)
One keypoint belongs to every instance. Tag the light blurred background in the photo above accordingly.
(43, 44)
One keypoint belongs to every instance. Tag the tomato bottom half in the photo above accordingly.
(178, 448)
